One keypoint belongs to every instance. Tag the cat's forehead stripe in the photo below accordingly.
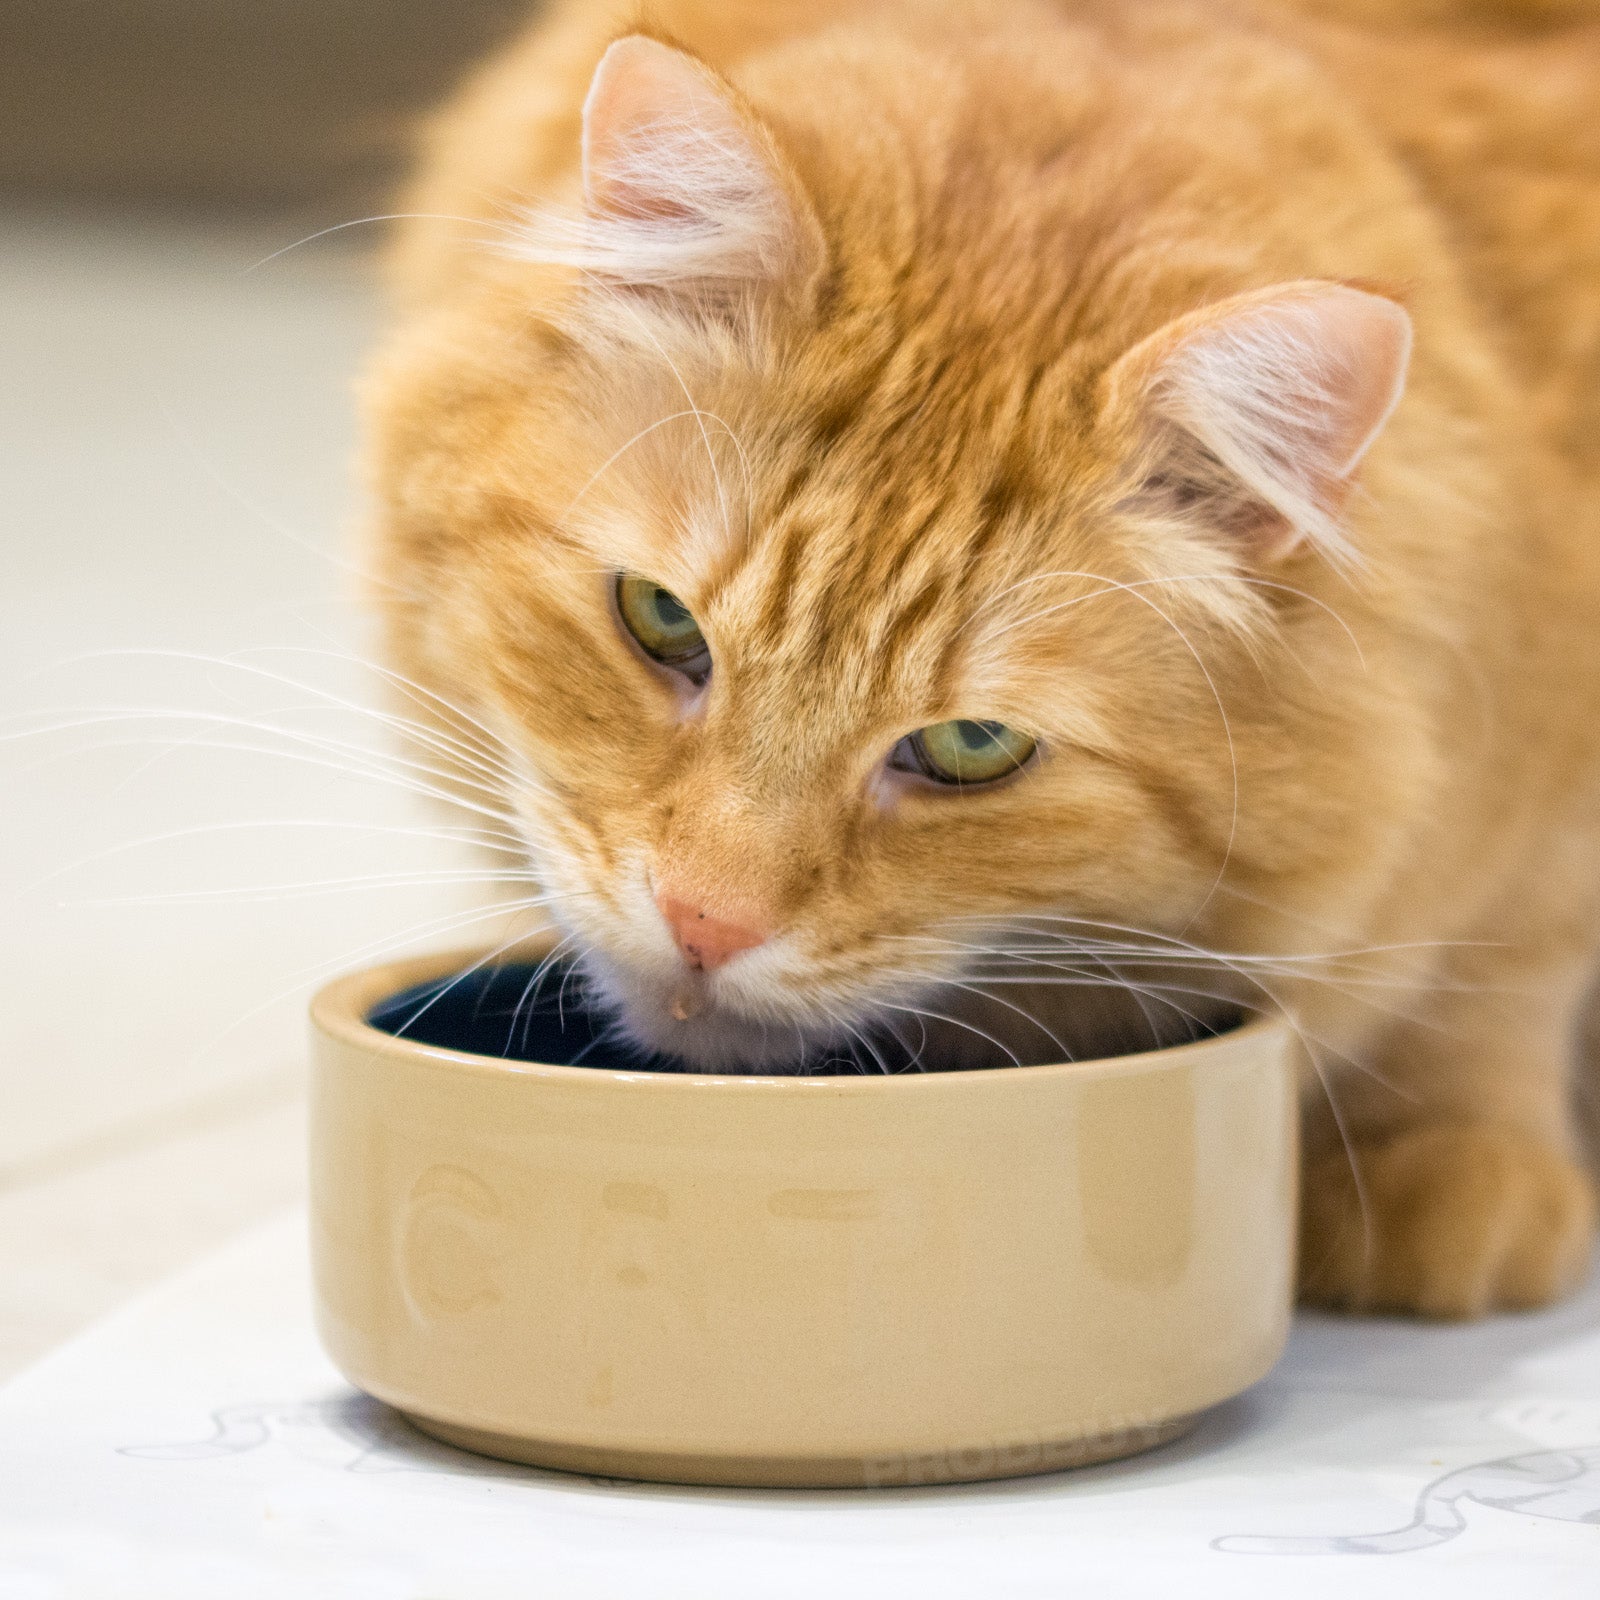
(904, 586)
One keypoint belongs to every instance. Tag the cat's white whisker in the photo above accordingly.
(456, 979)
(321, 970)
(309, 888)
(1121, 960)
(484, 760)
(617, 454)
(365, 222)
(1153, 938)
(530, 990)
(465, 836)
(315, 749)
(957, 1022)
(197, 719)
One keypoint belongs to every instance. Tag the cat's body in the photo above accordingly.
(993, 405)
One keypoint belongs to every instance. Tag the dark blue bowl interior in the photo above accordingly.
(516, 1011)
(525, 1011)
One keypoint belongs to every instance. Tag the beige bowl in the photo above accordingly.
(919, 1278)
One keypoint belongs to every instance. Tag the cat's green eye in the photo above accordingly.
(964, 751)
(662, 625)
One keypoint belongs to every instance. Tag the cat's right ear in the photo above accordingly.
(685, 192)
(1253, 416)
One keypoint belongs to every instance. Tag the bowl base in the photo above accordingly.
(887, 1471)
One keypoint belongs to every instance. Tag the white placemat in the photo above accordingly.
(198, 1444)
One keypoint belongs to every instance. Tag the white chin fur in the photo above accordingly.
(714, 1039)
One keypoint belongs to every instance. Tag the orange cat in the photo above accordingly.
(954, 510)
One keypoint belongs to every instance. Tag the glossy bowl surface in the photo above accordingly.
(798, 1281)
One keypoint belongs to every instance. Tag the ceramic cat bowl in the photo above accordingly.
(823, 1281)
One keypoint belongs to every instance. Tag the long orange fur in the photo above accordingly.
(914, 448)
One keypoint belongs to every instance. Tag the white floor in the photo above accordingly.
(198, 1443)
(176, 433)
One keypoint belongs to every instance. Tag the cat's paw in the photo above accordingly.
(1448, 1220)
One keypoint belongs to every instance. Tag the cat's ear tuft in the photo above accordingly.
(1257, 412)
(684, 189)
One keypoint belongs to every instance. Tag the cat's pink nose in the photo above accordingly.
(707, 942)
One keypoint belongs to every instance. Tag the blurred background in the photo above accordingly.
(201, 815)
(277, 108)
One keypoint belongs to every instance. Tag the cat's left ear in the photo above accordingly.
(1254, 415)
(685, 191)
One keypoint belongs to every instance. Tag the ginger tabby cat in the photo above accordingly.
(976, 526)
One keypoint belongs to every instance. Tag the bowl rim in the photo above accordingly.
(339, 1011)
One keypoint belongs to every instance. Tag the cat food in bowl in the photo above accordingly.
(825, 1280)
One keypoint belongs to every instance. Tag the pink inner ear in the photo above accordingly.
(1287, 391)
(1359, 345)
(663, 141)
(685, 191)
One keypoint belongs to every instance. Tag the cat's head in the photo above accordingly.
(853, 558)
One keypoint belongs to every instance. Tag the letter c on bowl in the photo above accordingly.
(449, 1243)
